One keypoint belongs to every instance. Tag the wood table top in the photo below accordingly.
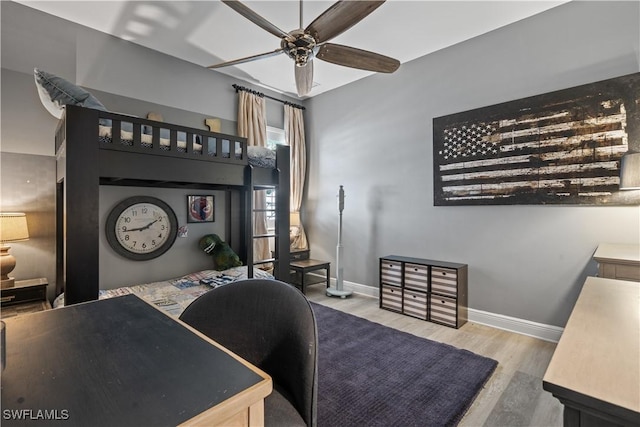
(619, 253)
(119, 361)
(598, 356)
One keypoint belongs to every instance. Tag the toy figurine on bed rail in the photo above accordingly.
(223, 256)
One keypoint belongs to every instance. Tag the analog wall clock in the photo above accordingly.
(141, 228)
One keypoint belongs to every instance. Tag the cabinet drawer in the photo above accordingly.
(19, 295)
(415, 304)
(391, 272)
(391, 297)
(620, 272)
(443, 310)
(416, 276)
(444, 281)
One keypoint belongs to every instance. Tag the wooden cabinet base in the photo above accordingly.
(576, 415)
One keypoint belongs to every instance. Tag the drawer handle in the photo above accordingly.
(392, 291)
(390, 265)
(415, 269)
(442, 301)
(444, 273)
(7, 299)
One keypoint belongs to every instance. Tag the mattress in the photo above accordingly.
(174, 295)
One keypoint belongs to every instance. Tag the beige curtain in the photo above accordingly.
(252, 124)
(294, 134)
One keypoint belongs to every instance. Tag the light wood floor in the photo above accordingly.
(512, 397)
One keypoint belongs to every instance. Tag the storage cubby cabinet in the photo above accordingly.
(429, 290)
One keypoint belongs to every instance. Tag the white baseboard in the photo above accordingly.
(356, 288)
(499, 321)
(514, 324)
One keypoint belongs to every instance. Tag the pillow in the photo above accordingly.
(56, 92)
(261, 156)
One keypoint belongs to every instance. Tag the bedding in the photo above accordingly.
(56, 92)
(174, 295)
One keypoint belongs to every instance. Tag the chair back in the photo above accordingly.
(270, 324)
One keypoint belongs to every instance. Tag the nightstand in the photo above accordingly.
(618, 261)
(26, 296)
(303, 266)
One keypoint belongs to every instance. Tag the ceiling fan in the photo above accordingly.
(302, 45)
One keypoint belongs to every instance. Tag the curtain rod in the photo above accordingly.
(262, 95)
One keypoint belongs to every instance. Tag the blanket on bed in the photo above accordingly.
(174, 295)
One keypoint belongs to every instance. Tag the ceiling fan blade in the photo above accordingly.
(357, 58)
(304, 78)
(340, 17)
(247, 59)
(252, 16)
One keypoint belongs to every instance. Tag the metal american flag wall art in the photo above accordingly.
(562, 147)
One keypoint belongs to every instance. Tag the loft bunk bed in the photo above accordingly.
(95, 148)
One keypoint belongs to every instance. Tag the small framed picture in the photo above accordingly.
(200, 209)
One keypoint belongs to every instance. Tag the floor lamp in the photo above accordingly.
(338, 291)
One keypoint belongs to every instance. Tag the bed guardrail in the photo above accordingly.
(132, 134)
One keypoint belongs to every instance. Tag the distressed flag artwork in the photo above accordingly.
(562, 147)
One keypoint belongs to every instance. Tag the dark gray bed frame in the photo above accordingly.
(84, 162)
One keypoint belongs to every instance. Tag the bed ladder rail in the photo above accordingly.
(280, 258)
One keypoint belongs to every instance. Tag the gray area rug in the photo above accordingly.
(372, 375)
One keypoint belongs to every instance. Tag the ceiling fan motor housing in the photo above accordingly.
(300, 46)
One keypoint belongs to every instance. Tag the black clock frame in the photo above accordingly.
(110, 228)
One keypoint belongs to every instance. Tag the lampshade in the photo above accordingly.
(630, 171)
(294, 219)
(13, 227)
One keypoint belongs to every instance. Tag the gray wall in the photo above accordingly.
(184, 256)
(127, 78)
(25, 186)
(375, 138)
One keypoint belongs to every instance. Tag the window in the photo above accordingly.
(275, 136)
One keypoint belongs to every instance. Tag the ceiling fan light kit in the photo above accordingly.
(302, 45)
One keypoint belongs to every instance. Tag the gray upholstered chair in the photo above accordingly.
(270, 324)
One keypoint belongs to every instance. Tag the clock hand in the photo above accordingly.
(143, 228)
(150, 224)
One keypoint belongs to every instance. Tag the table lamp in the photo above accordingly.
(13, 228)
(630, 171)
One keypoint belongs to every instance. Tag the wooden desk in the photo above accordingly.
(122, 362)
(616, 261)
(595, 369)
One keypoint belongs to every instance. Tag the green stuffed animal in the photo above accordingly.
(223, 255)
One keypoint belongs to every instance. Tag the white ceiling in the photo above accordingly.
(209, 32)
